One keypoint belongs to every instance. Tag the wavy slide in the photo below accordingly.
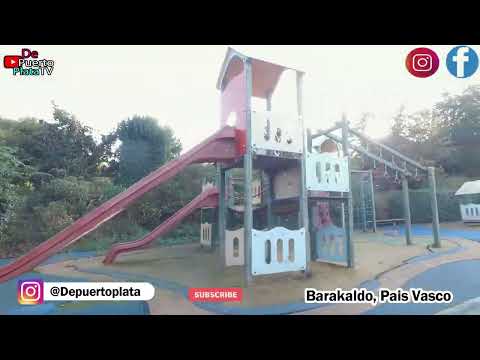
(208, 198)
(217, 148)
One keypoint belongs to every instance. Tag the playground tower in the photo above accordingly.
(272, 144)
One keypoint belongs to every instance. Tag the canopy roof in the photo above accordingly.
(265, 75)
(469, 188)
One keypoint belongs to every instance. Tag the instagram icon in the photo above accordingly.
(30, 292)
(422, 62)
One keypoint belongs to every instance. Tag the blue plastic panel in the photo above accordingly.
(331, 244)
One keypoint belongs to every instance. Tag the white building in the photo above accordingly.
(469, 195)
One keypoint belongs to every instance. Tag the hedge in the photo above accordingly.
(390, 204)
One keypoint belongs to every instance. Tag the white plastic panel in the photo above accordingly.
(470, 212)
(277, 132)
(234, 247)
(327, 172)
(278, 250)
(206, 234)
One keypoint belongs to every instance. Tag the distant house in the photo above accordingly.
(469, 195)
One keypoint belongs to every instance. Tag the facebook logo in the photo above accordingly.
(462, 61)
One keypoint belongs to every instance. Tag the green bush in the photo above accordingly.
(420, 206)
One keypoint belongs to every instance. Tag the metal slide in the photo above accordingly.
(217, 148)
(208, 198)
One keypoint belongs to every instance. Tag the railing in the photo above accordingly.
(206, 234)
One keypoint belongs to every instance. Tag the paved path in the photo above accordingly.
(454, 271)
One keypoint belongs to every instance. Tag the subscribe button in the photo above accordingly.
(215, 294)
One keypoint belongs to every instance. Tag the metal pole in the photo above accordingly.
(349, 227)
(309, 140)
(303, 184)
(433, 194)
(372, 191)
(389, 149)
(268, 179)
(363, 209)
(372, 156)
(327, 131)
(406, 211)
(248, 169)
(268, 197)
(221, 212)
(269, 101)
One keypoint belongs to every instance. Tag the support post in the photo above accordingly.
(269, 101)
(222, 208)
(349, 223)
(248, 178)
(435, 220)
(268, 198)
(406, 211)
(372, 191)
(363, 209)
(309, 140)
(303, 183)
(268, 179)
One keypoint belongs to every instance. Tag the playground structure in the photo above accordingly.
(469, 195)
(298, 185)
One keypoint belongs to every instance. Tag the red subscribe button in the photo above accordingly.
(215, 294)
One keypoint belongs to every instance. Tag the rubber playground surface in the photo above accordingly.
(383, 259)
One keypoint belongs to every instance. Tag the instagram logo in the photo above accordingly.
(422, 62)
(30, 292)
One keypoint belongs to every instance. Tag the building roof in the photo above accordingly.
(469, 188)
(265, 74)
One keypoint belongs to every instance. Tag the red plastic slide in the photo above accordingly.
(218, 147)
(208, 198)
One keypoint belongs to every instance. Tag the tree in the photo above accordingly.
(422, 127)
(63, 143)
(14, 183)
(145, 146)
(399, 127)
(361, 124)
(460, 116)
(459, 122)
